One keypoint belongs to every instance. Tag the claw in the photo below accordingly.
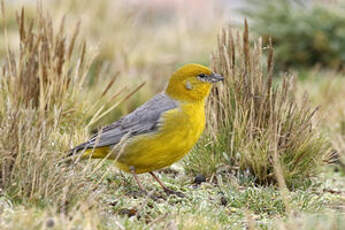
(172, 192)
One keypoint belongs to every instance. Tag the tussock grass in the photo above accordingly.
(41, 105)
(251, 118)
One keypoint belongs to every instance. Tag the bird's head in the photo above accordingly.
(192, 82)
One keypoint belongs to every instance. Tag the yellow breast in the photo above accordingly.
(180, 130)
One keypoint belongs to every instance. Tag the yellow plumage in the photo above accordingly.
(179, 133)
(181, 129)
(164, 129)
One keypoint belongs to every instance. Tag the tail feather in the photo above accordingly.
(86, 149)
(78, 149)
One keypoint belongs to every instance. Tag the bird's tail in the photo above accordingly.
(88, 151)
(78, 149)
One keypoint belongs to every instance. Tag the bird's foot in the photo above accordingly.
(144, 193)
(137, 193)
(172, 192)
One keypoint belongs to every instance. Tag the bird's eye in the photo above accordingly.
(202, 75)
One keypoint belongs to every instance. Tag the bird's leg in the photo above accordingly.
(165, 188)
(132, 169)
(159, 181)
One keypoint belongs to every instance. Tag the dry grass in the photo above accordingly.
(250, 118)
(41, 105)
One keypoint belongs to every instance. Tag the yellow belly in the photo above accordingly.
(180, 130)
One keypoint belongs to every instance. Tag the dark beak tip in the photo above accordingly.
(215, 77)
(219, 77)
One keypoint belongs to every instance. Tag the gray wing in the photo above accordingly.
(144, 119)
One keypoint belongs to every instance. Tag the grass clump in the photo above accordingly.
(41, 104)
(304, 34)
(255, 125)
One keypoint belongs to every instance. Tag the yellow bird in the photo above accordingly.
(161, 131)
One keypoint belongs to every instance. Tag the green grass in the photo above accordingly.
(226, 204)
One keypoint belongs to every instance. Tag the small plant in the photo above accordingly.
(254, 124)
(303, 34)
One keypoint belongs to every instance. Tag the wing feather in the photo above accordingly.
(144, 119)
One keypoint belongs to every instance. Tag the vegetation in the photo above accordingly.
(42, 105)
(304, 35)
(326, 88)
(55, 88)
(254, 125)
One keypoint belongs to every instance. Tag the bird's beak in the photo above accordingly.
(215, 77)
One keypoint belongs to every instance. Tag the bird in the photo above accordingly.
(159, 132)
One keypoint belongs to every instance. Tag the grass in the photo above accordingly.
(42, 105)
(34, 108)
(208, 206)
(326, 93)
(255, 125)
(47, 105)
